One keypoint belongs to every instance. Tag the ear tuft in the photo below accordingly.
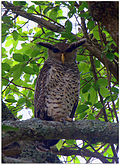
(75, 45)
(47, 45)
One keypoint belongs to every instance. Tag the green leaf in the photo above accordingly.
(90, 25)
(49, 34)
(18, 57)
(3, 38)
(7, 20)
(35, 50)
(46, 10)
(59, 145)
(28, 103)
(68, 26)
(31, 9)
(102, 82)
(17, 71)
(20, 117)
(91, 117)
(36, 68)
(86, 88)
(11, 50)
(8, 42)
(83, 67)
(116, 54)
(5, 30)
(15, 35)
(77, 161)
(62, 17)
(11, 100)
(115, 90)
(4, 82)
(25, 57)
(5, 67)
(21, 101)
(82, 108)
(93, 95)
(19, 3)
(98, 105)
(82, 115)
(104, 91)
(110, 56)
(28, 70)
(97, 63)
(71, 142)
(82, 6)
(71, 12)
(96, 32)
(53, 14)
(68, 35)
(7, 91)
(85, 15)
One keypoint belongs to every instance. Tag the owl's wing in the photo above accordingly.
(39, 103)
(74, 109)
(40, 94)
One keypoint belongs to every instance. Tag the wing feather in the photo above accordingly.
(40, 93)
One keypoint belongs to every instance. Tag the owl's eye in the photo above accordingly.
(56, 50)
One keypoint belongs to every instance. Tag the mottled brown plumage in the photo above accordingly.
(58, 84)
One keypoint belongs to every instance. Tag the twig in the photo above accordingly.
(48, 18)
(115, 154)
(96, 78)
(16, 84)
(82, 152)
(109, 85)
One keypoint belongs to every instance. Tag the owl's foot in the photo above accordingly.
(63, 120)
(69, 119)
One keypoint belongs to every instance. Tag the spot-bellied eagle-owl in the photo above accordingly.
(58, 83)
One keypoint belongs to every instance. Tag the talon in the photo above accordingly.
(69, 119)
(63, 121)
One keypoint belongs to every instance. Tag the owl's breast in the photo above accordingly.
(62, 86)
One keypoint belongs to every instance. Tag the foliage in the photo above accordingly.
(22, 60)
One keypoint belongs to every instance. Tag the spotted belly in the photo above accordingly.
(61, 98)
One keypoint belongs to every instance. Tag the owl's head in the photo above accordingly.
(63, 52)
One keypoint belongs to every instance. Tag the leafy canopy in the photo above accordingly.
(22, 60)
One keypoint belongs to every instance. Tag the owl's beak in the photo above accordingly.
(62, 58)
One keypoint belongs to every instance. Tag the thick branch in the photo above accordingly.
(98, 54)
(108, 14)
(35, 129)
(6, 113)
(40, 21)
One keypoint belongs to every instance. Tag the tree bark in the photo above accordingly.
(23, 151)
(32, 17)
(35, 129)
(108, 14)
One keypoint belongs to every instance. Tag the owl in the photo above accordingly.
(58, 84)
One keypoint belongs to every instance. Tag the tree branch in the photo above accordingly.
(35, 129)
(40, 21)
(98, 54)
(82, 151)
(16, 84)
